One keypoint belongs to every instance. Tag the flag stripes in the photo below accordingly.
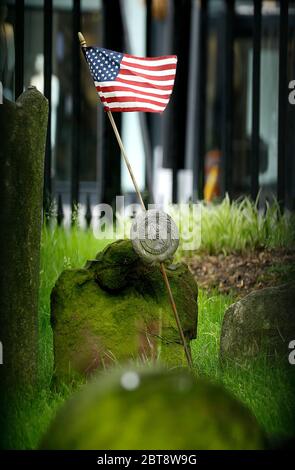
(108, 86)
(129, 83)
(127, 94)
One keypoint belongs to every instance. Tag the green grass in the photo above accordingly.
(31, 417)
(60, 249)
(225, 227)
(237, 226)
(264, 389)
(228, 226)
(267, 389)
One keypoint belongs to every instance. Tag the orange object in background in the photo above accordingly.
(159, 9)
(212, 175)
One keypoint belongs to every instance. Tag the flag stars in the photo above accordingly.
(104, 64)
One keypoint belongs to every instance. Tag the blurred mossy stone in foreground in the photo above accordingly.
(23, 135)
(260, 324)
(117, 309)
(153, 409)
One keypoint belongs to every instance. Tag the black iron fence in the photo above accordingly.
(208, 123)
(278, 20)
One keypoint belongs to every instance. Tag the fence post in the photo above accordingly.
(60, 212)
(202, 87)
(88, 214)
(228, 115)
(47, 21)
(283, 102)
(19, 47)
(76, 68)
(255, 154)
(113, 38)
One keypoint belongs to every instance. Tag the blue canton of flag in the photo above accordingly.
(104, 64)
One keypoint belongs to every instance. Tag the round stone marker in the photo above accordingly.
(154, 236)
(153, 409)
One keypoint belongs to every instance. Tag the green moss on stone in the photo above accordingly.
(163, 410)
(23, 134)
(117, 309)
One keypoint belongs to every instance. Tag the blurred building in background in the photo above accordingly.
(229, 127)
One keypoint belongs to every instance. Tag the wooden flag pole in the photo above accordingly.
(162, 266)
(126, 158)
(176, 316)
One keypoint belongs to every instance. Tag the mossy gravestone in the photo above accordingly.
(117, 309)
(260, 325)
(153, 409)
(23, 135)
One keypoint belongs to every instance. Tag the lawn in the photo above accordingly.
(226, 228)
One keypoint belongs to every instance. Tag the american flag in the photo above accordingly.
(128, 83)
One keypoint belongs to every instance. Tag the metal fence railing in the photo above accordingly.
(229, 28)
(284, 17)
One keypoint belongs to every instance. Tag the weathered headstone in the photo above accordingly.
(116, 309)
(153, 409)
(23, 133)
(260, 324)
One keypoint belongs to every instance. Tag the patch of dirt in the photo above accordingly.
(240, 273)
